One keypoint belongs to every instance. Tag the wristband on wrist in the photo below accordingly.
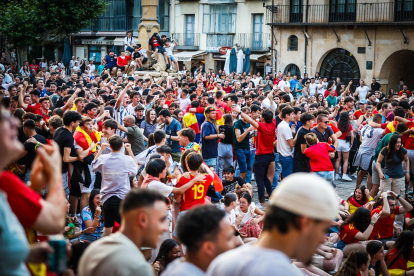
(372, 223)
(398, 196)
(38, 143)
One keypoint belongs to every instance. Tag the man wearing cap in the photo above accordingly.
(300, 212)
(362, 109)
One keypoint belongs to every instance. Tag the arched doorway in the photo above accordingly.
(340, 63)
(293, 69)
(398, 65)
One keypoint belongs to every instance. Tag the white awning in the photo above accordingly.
(257, 56)
(119, 41)
(188, 55)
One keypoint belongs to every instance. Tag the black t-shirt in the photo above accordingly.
(71, 83)
(31, 151)
(228, 132)
(136, 55)
(300, 141)
(376, 86)
(139, 121)
(393, 168)
(323, 137)
(58, 82)
(22, 138)
(64, 138)
(229, 186)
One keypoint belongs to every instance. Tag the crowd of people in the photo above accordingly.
(202, 174)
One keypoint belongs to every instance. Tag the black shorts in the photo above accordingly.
(122, 69)
(110, 211)
(75, 189)
(111, 67)
(144, 60)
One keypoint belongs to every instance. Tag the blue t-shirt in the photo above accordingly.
(293, 83)
(87, 215)
(110, 61)
(297, 126)
(209, 147)
(172, 130)
(200, 121)
(101, 68)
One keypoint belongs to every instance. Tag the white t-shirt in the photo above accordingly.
(181, 268)
(143, 52)
(371, 136)
(312, 88)
(282, 84)
(184, 103)
(284, 133)
(363, 91)
(163, 189)
(250, 260)
(91, 68)
(169, 50)
(321, 88)
(129, 41)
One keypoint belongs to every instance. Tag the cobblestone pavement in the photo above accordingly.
(343, 188)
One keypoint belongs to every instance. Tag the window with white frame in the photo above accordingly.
(219, 19)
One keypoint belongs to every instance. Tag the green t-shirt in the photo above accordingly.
(239, 124)
(136, 139)
(331, 100)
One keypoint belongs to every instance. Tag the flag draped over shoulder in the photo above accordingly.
(84, 140)
(190, 120)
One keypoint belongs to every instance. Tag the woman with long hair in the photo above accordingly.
(345, 144)
(360, 198)
(249, 217)
(82, 66)
(366, 117)
(169, 251)
(91, 217)
(225, 147)
(149, 125)
(392, 178)
(376, 251)
(179, 116)
(356, 264)
(398, 256)
(320, 98)
(358, 227)
(331, 86)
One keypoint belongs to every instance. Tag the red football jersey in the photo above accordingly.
(196, 194)
(348, 233)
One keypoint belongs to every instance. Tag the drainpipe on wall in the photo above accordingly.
(306, 37)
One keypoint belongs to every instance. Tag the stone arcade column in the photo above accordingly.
(149, 22)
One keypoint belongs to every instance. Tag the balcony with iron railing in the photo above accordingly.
(112, 24)
(257, 42)
(186, 41)
(388, 13)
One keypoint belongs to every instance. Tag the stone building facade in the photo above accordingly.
(345, 39)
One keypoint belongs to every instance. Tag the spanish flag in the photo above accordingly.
(190, 120)
(410, 263)
(84, 140)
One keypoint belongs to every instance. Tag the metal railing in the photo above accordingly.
(187, 41)
(255, 41)
(396, 13)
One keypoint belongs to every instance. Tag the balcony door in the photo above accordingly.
(342, 11)
(296, 11)
(257, 39)
(189, 29)
(404, 10)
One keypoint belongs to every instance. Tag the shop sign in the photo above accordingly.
(97, 42)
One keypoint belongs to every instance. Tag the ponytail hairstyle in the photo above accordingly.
(353, 263)
(229, 199)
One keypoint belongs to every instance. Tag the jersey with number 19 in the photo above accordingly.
(196, 194)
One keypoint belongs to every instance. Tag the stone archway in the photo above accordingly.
(340, 63)
(398, 65)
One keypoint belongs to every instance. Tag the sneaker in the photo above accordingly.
(261, 207)
(337, 177)
(354, 176)
(346, 178)
(125, 75)
(168, 66)
(155, 61)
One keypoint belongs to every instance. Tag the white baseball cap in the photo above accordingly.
(306, 194)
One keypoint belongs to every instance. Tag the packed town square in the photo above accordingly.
(141, 159)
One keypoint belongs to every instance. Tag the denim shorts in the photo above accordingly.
(211, 162)
(172, 58)
(328, 176)
(160, 49)
(243, 159)
(341, 245)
